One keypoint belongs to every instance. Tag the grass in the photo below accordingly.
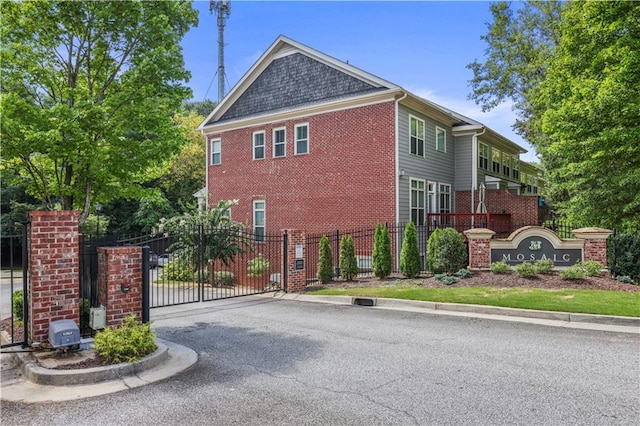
(600, 302)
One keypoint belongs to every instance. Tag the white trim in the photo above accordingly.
(435, 196)
(424, 199)
(273, 142)
(440, 184)
(264, 145)
(211, 151)
(253, 215)
(424, 143)
(295, 139)
(438, 128)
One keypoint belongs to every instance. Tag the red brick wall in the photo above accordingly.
(117, 266)
(524, 209)
(296, 278)
(346, 181)
(53, 271)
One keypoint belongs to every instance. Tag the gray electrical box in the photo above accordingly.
(98, 318)
(64, 333)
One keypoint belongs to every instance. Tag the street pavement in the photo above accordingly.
(267, 361)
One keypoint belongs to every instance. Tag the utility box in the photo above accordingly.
(64, 333)
(98, 318)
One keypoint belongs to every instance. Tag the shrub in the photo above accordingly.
(17, 299)
(624, 255)
(592, 268)
(128, 343)
(325, 261)
(432, 243)
(543, 266)
(179, 268)
(500, 267)
(625, 279)
(409, 254)
(448, 280)
(448, 251)
(202, 276)
(574, 272)
(348, 261)
(463, 273)
(525, 269)
(382, 261)
(258, 266)
(223, 278)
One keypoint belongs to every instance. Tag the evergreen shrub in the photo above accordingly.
(382, 260)
(130, 342)
(348, 262)
(409, 254)
(325, 261)
(623, 255)
(500, 267)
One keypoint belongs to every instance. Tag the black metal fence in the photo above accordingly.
(14, 305)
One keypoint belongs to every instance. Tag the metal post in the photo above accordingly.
(285, 265)
(25, 285)
(145, 284)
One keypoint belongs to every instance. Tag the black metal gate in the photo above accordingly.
(14, 309)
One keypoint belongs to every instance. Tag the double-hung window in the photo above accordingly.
(515, 164)
(441, 139)
(483, 156)
(302, 139)
(431, 197)
(506, 164)
(496, 161)
(258, 145)
(417, 202)
(216, 151)
(280, 142)
(417, 136)
(445, 198)
(259, 219)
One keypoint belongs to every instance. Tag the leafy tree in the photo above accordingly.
(409, 254)
(381, 257)
(201, 108)
(88, 93)
(591, 117)
(325, 261)
(348, 262)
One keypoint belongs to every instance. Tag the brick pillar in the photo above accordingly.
(120, 282)
(54, 274)
(595, 243)
(479, 247)
(296, 278)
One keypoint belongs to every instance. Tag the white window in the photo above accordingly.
(445, 198)
(258, 145)
(506, 164)
(302, 139)
(515, 163)
(431, 197)
(259, 219)
(417, 201)
(417, 136)
(496, 160)
(216, 151)
(441, 139)
(483, 156)
(280, 142)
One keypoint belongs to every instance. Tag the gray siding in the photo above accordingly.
(294, 80)
(464, 162)
(436, 166)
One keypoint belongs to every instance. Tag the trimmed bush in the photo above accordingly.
(258, 266)
(348, 261)
(409, 254)
(432, 243)
(179, 268)
(325, 261)
(202, 276)
(624, 279)
(544, 266)
(130, 342)
(463, 273)
(382, 261)
(574, 272)
(501, 267)
(592, 268)
(448, 280)
(624, 255)
(446, 251)
(223, 278)
(17, 299)
(525, 269)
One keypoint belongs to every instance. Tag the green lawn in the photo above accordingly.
(576, 301)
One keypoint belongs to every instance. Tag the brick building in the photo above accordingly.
(306, 141)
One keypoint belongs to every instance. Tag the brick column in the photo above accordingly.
(296, 278)
(595, 243)
(479, 247)
(120, 282)
(54, 274)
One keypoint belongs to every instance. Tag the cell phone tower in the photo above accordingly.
(222, 8)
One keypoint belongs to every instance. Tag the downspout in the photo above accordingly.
(397, 177)
(474, 171)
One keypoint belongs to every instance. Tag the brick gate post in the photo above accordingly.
(120, 282)
(54, 273)
(595, 243)
(479, 247)
(296, 267)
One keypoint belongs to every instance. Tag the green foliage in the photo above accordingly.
(17, 299)
(95, 226)
(448, 280)
(223, 278)
(258, 266)
(325, 261)
(500, 267)
(201, 275)
(463, 273)
(625, 279)
(409, 254)
(130, 342)
(201, 108)
(525, 269)
(446, 251)
(382, 261)
(88, 94)
(592, 268)
(574, 272)
(543, 266)
(348, 261)
(624, 255)
(179, 268)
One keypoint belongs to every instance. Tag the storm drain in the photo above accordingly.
(364, 301)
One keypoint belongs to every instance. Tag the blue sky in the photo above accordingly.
(422, 46)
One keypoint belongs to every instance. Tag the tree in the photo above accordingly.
(409, 254)
(382, 261)
(201, 108)
(88, 94)
(348, 262)
(591, 119)
(325, 261)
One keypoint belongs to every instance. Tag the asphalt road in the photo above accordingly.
(269, 361)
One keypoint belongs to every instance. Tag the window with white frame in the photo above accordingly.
(302, 139)
(216, 151)
(496, 161)
(417, 201)
(258, 145)
(441, 139)
(280, 142)
(259, 209)
(483, 156)
(445, 198)
(431, 197)
(506, 164)
(515, 164)
(417, 136)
